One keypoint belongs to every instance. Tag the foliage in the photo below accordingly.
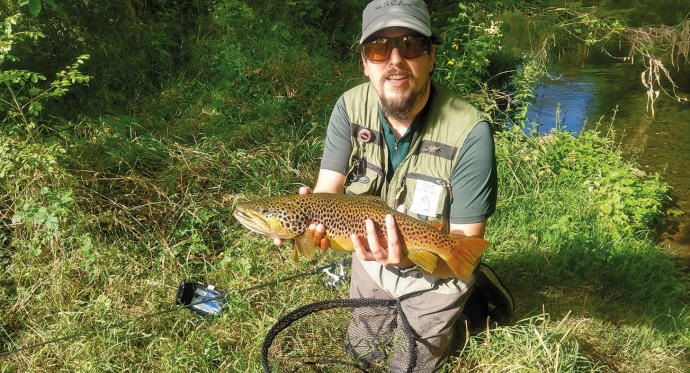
(103, 214)
(35, 6)
(626, 200)
(23, 96)
(470, 47)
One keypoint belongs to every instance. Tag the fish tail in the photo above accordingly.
(465, 255)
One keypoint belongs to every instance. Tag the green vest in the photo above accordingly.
(422, 180)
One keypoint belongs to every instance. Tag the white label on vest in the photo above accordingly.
(426, 198)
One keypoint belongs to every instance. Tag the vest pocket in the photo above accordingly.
(427, 197)
(363, 177)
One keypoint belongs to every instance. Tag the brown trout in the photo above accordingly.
(288, 217)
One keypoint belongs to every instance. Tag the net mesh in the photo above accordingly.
(342, 335)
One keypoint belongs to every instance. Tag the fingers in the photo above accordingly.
(318, 231)
(378, 252)
(394, 245)
(363, 252)
(304, 190)
(388, 255)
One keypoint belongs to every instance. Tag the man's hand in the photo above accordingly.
(392, 254)
(317, 230)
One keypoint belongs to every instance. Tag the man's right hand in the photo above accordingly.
(317, 230)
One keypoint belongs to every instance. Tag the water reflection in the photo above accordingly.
(562, 100)
(607, 94)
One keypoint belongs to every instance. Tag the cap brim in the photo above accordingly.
(381, 23)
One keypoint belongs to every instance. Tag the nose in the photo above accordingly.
(395, 57)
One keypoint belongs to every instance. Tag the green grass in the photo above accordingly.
(100, 222)
(587, 299)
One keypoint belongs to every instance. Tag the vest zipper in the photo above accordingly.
(446, 186)
(399, 190)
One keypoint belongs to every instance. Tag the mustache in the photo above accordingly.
(397, 71)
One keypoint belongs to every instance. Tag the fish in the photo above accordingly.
(289, 216)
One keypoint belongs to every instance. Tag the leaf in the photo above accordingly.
(35, 7)
(627, 190)
(51, 3)
(606, 208)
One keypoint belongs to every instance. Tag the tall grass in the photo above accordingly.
(101, 221)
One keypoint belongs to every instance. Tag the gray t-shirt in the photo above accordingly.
(473, 179)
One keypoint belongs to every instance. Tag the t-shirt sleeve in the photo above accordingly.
(474, 182)
(338, 143)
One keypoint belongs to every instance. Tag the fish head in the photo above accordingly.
(276, 217)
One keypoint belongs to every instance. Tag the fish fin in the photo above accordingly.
(295, 252)
(465, 255)
(440, 225)
(424, 259)
(304, 245)
(435, 224)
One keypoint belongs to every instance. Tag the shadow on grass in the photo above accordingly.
(639, 286)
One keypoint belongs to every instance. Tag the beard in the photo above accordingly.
(400, 107)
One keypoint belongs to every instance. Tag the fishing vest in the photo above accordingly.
(422, 180)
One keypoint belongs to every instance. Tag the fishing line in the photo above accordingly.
(175, 307)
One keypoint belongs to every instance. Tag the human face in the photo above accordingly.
(402, 84)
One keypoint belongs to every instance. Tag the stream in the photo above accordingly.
(603, 93)
(592, 89)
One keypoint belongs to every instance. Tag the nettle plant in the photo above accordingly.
(23, 92)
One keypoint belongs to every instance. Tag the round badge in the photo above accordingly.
(364, 136)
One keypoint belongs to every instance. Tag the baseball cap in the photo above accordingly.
(380, 14)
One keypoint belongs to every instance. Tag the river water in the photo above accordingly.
(591, 89)
(600, 92)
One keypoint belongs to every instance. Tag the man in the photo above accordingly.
(427, 153)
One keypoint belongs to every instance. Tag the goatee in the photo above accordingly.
(399, 108)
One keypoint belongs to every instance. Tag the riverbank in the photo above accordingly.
(604, 94)
(588, 87)
(104, 215)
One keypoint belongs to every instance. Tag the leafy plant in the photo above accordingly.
(24, 94)
(470, 48)
(35, 6)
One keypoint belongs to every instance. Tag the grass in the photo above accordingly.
(101, 222)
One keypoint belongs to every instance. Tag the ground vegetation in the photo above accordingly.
(128, 131)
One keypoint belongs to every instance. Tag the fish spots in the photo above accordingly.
(344, 215)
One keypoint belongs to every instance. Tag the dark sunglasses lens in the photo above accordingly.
(409, 46)
(377, 50)
(413, 47)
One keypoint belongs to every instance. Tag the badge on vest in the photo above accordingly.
(426, 198)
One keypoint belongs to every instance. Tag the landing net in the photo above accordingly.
(329, 336)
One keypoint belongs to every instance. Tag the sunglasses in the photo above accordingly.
(409, 47)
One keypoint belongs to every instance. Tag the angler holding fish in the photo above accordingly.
(429, 155)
